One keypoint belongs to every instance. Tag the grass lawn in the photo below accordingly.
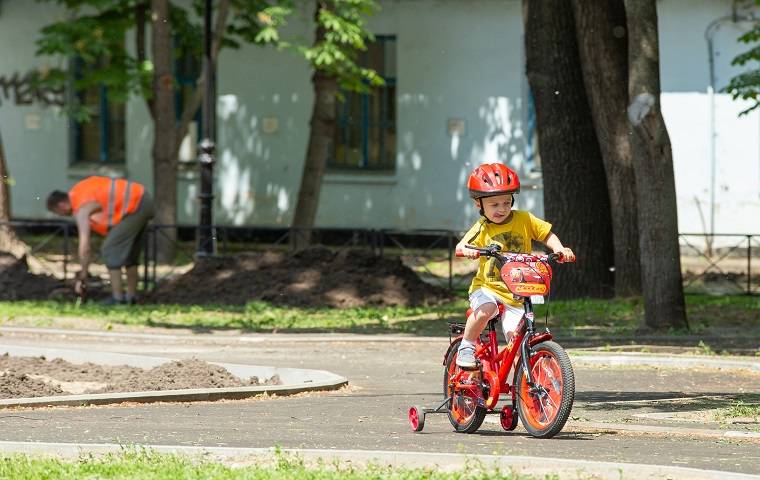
(576, 320)
(138, 464)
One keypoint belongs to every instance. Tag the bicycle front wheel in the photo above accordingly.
(467, 410)
(545, 408)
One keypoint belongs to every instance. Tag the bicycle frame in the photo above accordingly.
(498, 364)
(470, 393)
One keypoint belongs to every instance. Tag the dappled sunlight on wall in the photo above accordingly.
(248, 178)
(239, 137)
(502, 141)
(498, 136)
(235, 189)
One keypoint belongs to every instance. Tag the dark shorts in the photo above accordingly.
(124, 242)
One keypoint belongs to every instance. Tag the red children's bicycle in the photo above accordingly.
(544, 385)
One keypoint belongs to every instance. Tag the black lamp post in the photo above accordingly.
(206, 147)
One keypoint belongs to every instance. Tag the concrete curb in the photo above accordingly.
(294, 380)
(441, 461)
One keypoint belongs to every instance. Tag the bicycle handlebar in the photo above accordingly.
(494, 250)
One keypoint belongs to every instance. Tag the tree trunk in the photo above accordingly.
(164, 141)
(321, 137)
(655, 185)
(603, 47)
(575, 188)
(9, 241)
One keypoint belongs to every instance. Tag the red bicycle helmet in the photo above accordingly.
(491, 179)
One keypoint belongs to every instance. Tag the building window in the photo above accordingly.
(365, 137)
(101, 139)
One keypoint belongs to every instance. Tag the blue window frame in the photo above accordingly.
(365, 137)
(101, 139)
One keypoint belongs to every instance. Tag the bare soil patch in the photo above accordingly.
(37, 376)
(316, 277)
(18, 283)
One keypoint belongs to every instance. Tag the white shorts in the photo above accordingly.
(512, 315)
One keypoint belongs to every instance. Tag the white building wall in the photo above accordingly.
(455, 60)
(692, 115)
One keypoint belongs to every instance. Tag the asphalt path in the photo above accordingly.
(618, 414)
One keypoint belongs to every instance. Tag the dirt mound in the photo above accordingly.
(36, 376)
(21, 385)
(316, 277)
(18, 283)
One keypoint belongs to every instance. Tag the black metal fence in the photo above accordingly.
(719, 263)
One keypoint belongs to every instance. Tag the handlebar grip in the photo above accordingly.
(460, 253)
(562, 258)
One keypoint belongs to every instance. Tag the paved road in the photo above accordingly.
(385, 378)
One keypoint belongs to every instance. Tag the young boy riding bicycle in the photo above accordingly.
(492, 188)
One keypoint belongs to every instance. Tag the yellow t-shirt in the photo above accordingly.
(516, 235)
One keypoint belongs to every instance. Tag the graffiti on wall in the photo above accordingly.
(25, 90)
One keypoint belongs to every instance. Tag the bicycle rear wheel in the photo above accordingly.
(545, 409)
(467, 410)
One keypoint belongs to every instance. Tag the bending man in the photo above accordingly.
(117, 209)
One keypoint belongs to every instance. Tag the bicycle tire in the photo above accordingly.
(465, 413)
(545, 416)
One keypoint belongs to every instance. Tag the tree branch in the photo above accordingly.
(197, 96)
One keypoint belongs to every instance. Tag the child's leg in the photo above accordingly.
(510, 321)
(478, 319)
(484, 306)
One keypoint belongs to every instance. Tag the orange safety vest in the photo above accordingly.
(117, 198)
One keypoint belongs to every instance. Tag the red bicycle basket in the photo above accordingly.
(527, 278)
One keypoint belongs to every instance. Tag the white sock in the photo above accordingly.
(466, 343)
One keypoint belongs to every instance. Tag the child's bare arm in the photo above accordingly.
(552, 241)
(467, 252)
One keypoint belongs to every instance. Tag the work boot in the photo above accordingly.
(466, 358)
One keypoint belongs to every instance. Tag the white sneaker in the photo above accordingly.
(466, 358)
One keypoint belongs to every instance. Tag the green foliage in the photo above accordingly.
(343, 37)
(746, 85)
(91, 41)
(739, 409)
(255, 316)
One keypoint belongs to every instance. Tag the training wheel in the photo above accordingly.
(508, 418)
(416, 418)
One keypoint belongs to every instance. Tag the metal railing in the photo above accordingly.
(719, 263)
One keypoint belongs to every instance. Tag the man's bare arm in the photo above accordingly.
(82, 218)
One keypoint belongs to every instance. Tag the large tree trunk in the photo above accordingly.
(658, 223)
(603, 47)
(321, 137)
(164, 141)
(575, 188)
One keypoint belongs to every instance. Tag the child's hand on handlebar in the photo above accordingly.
(566, 255)
(463, 251)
